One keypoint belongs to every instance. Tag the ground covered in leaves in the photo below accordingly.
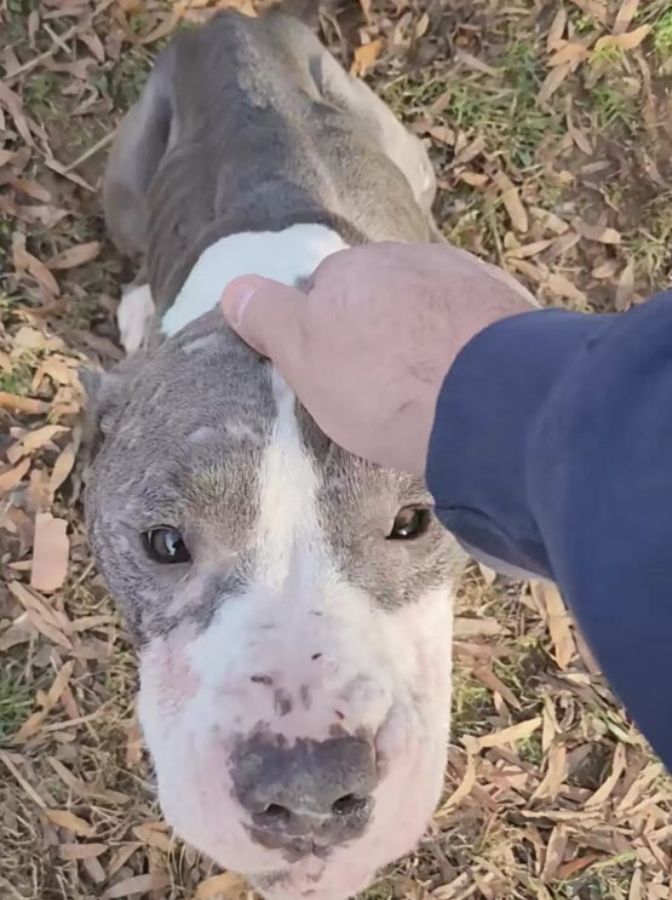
(550, 125)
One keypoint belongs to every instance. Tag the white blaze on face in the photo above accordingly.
(284, 256)
(331, 655)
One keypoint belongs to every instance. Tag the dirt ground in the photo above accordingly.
(550, 125)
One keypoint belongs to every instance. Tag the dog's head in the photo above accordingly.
(291, 606)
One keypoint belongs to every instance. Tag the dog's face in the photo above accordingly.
(292, 609)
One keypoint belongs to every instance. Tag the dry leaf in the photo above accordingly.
(512, 202)
(558, 622)
(63, 465)
(16, 403)
(12, 103)
(626, 287)
(552, 82)
(527, 250)
(605, 790)
(627, 41)
(75, 256)
(220, 887)
(81, 851)
(34, 440)
(365, 56)
(599, 233)
(563, 287)
(65, 819)
(12, 477)
(571, 53)
(154, 834)
(51, 549)
(555, 852)
(137, 884)
(26, 262)
(557, 29)
(499, 738)
(463, 789)
(556, 773)
(625, 15)
(31, 189)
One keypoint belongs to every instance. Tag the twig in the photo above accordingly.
(99, 145)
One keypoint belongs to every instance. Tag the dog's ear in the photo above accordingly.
(107, 394)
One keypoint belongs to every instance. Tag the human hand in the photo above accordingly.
(367, 344)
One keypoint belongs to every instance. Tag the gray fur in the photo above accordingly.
(250, 124)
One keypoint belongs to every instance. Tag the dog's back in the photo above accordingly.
(261, 130)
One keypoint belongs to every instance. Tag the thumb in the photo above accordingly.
(263, 313)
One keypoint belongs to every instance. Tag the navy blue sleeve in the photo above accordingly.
(552, 452)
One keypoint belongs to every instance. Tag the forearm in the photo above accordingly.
(552, 451)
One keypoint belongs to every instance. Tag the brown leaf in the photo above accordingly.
(63, 465)
(137, 884)
(26, 262)
(16, 403)
(365, 56)
(51, 549)
(572, 53)
(599, 233)
(563, 287)
(555, 852)
(95, 45)
(626, 287)
(34, 440)
(628, 41)
(557, 29)
(499, 738)
(487, 677)
(552, 82)
(31, 189)
(63, 818)
(597, 9)
(60, 683)
(556, 773)
(626, 13)
(558, 622)
(220, 887)
(75, 256)
(81, 851)
(512, 202)
(154, 834)
(443, 134)
(12, 477)
(12, 103)
(606, 789)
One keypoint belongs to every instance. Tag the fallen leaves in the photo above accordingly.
(51, 550)
(365, 56)
(512, 202)
(75, 256)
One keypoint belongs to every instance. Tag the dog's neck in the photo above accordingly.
(286, 256)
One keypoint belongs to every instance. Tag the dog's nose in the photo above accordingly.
(320, 791)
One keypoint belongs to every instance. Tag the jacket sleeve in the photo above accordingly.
(552, 452)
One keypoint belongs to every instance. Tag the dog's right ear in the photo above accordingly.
(107, 394)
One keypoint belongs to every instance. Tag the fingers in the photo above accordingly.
(265, 314)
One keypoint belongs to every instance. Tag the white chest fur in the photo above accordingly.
(284, 256)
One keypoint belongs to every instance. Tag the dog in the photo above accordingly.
(290, 603)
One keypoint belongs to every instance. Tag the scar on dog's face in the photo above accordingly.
(291, 606)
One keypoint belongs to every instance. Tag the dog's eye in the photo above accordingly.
(410, 523)
(165, 545)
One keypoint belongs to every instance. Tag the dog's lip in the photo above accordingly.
(293, 849)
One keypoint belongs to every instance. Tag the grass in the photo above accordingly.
(16, 700)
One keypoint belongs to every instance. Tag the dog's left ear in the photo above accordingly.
(107, 394)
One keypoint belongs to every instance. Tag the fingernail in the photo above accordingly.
(235, 298)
